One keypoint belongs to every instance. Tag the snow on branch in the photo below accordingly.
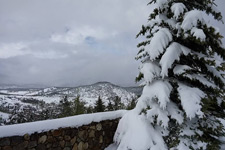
(161, 115)
(198, 34)
(159, 42)
(172, 54)
(216, 72)
(178, 9)
(150, 70)
(191, 100)
(191, 19)
(180, 69)
(201, 79)
(175, 113)
(146, 137)
(161, 3)
(158, 90)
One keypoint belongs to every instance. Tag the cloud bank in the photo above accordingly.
(71, 42)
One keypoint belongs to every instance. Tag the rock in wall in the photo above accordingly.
(95, 136)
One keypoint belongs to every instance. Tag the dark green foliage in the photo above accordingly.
(90, 109)
(70, 108)
(78, 106)
(1, 120)
(132, 104)
(66, 109)
(99, 106)
(139, 77)
(117, 103)
(110, 106)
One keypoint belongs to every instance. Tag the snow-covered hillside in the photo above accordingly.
(25, 98)
(88, 93)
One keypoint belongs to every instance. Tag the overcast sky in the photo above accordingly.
(71, 42)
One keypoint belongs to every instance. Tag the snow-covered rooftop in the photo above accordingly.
(74, 121)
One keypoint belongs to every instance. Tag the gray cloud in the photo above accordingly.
(71, 42)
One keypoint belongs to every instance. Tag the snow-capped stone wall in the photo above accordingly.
(94, 135)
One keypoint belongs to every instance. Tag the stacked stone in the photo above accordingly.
(95, 136)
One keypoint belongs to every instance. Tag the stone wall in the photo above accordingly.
(95, 136)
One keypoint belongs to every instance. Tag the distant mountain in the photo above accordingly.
(34, 87)
(87, 93)
(22, 99)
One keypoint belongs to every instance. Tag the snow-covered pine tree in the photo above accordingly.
(181, 65)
